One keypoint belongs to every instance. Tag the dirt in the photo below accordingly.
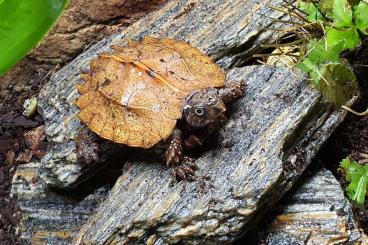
(8, 210)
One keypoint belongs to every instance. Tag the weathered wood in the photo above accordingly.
(314, 212)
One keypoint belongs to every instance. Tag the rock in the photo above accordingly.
(61, 168)
(315, 211)
(49, 216)
(269, 139)
(192, 21)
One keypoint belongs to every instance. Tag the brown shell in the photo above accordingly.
(135, 95)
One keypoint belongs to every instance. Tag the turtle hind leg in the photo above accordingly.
(183, 167)
(232, 91)
(87, 146)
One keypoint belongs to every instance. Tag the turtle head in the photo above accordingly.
(203, 107)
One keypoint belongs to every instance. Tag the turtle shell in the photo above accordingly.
(135, 95)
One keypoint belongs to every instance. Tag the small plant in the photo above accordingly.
(342, 26)
(357, 177)
(323, 31)
(330, 28)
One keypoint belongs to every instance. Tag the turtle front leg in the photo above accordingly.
(232, 91)
(183, 167)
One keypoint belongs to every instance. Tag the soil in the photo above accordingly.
(8, 211)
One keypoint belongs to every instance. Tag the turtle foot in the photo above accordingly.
(186, 170)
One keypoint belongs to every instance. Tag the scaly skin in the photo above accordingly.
(204, 114)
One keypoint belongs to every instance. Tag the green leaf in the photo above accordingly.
(306, 65)
(359, 188)
(342, 13)
(319, 52)
(326, 7)
(313, 13)
(357, 176)
(23, 23)
(309, 67)
(361, 17)
(337, 83)
(350, 37)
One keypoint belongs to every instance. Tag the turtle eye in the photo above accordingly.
(199, 111)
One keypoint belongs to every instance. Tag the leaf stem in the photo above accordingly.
(364, 113)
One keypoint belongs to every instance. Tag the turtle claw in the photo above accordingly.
(190, 162)
(185, 171)
(182, 167)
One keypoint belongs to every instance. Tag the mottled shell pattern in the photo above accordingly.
(135, 95)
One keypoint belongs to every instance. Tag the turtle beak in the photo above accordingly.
(219, 107)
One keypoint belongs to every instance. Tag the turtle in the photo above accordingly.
(153, 91)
